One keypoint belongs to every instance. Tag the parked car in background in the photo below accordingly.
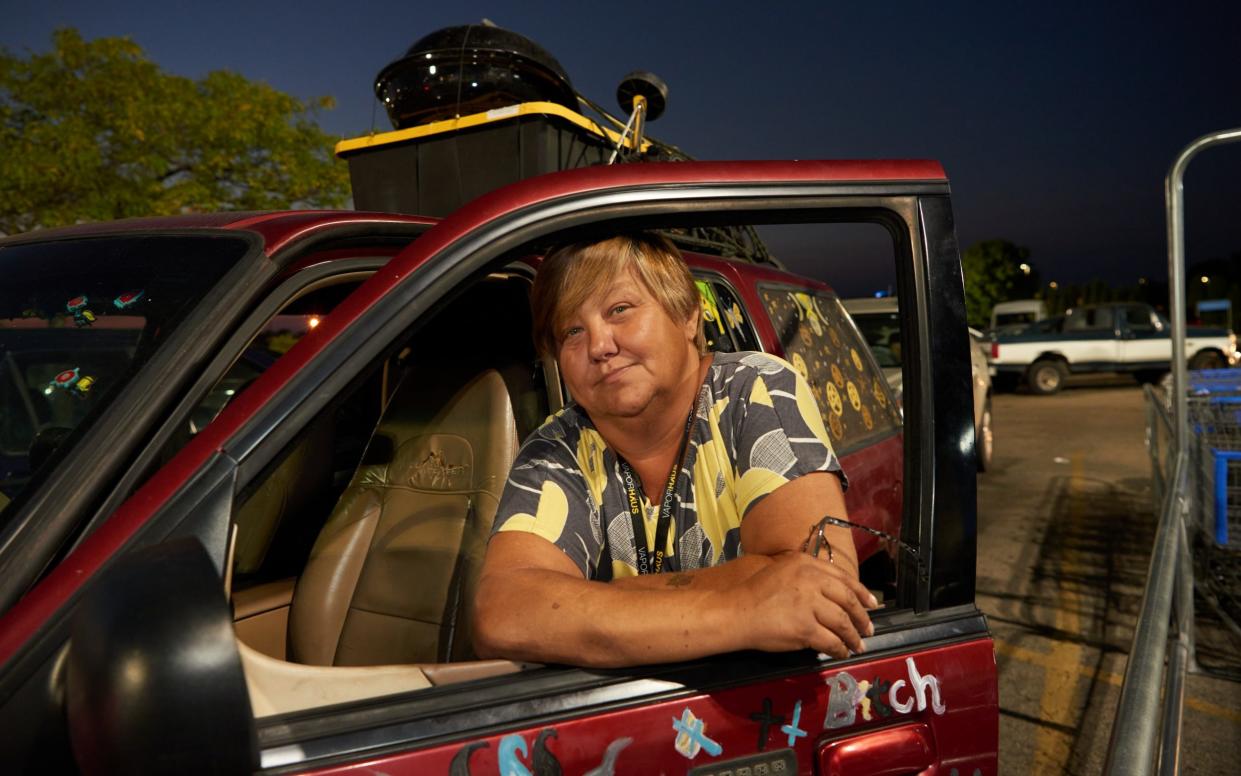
(1124, 337)
(878, 320)
(1013, 316)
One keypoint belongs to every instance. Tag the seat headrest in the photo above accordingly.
(439, 453)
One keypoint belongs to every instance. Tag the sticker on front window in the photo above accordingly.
(72, 381)
(128, 299)
(77, 307)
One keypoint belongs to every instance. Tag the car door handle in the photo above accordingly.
(903, 749)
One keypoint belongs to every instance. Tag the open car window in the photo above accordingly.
(78, 319)
(356, 548)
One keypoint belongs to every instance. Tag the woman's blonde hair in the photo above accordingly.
(571, 274)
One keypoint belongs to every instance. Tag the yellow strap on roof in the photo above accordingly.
(345, 147)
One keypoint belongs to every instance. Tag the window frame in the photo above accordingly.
(929, 457)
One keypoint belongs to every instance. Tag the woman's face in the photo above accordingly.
(621, 351)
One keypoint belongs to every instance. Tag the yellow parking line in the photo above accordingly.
(1044, 660)
(1213, 709)
(1063, 667)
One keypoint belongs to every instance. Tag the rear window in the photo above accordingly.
(1008, 319)
(816, 337)
(78, 319)
(1097, 319)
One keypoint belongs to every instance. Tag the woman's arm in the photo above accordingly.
(533, 604)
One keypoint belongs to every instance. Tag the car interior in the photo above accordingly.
(359, 548)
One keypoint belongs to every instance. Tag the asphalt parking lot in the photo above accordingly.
(1066, 523)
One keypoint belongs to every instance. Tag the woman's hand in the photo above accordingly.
(798, 602)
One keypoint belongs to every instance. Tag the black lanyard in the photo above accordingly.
(633, 490)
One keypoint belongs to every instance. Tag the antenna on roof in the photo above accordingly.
(645, 96)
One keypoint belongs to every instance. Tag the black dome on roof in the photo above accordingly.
(482, 36)
(468, 69)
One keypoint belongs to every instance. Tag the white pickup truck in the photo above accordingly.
(1118, 337)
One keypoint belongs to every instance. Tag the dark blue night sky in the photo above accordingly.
(1056, 122)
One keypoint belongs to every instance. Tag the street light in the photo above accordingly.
(1025, 268)
(1053, 284)
(1205, 279)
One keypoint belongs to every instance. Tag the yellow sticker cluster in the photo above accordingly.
(825, 350)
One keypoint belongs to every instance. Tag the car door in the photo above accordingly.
(1145, 341)
(1092, 338)
(923, 696)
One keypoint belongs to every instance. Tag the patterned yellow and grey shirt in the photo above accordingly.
(758, 427)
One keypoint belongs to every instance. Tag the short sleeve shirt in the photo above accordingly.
(758, 426)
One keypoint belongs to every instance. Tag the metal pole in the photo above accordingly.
(1134, 736)
(1175, 195)
(1153, 423)
(1133, 743)
(1174, 192)
(1178, 660)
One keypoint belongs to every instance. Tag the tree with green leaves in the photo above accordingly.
(992, 270)
(94, 131)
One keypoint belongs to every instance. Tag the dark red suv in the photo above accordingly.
(191, 579)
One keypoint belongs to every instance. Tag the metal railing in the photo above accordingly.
(1160, 442)
(1169, 585)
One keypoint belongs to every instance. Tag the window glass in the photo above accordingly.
(882, 331)
(735, 318)
(78, 319)
(1139, 319)
(1089, 319)
(817, 339)
(279, 334)
(724, 321)
(1048, 325)
(713, 326)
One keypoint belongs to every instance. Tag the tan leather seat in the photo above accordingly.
(391, 577)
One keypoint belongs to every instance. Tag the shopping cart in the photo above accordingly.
(1214, 405)
(1214, 416)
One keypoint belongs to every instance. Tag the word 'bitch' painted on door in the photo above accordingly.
(846, 695)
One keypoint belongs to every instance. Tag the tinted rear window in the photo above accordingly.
(819, 341)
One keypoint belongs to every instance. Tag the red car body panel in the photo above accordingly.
(859, 705)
